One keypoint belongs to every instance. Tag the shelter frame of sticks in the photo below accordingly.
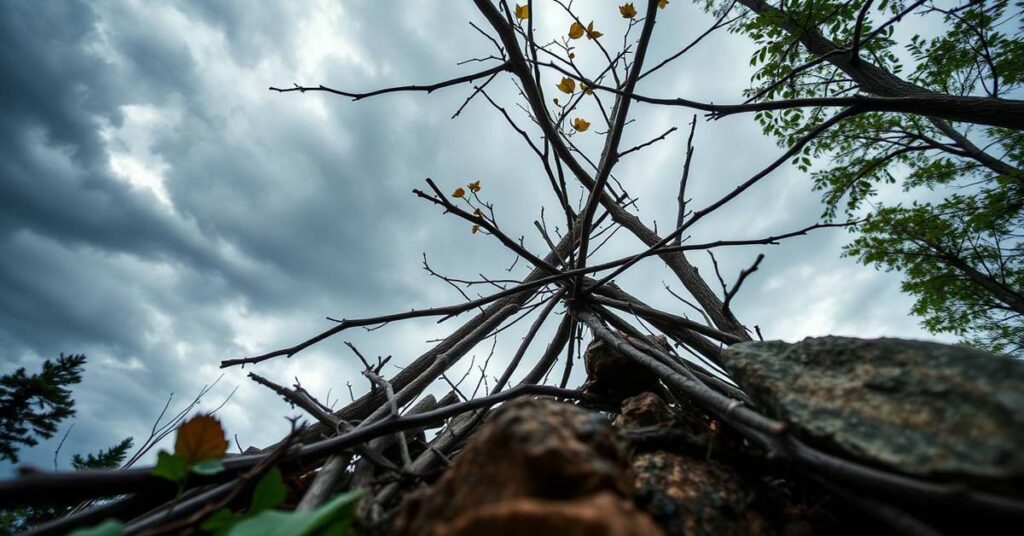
(562, 280)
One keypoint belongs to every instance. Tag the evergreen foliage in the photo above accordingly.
(32, 406)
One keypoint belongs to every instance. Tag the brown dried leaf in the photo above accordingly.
(200, 438)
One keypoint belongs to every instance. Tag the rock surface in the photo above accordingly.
(645, 409)
(534, 465)
(919, 407)
(604, 514)
(685, 493)
(690, 496)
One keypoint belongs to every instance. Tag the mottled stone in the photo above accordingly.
(690, 496)
(644, 409)
(923, 408)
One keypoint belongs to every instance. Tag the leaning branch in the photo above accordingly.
(397, 89)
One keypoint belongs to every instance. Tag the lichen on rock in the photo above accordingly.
(922, 408)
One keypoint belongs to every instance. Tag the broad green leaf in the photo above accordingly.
(219, 523)
(170, 466)
(335, 515)
(269, 492)
(110, 527)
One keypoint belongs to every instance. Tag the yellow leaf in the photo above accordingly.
(459, 193)
(591, 32)
(474, 186)
(522, 12)
(586, 89)
(200, 438)
(475, 228)
(576, 30)
(662, 4)
(567, 85)
(627, 10)
(580, 124)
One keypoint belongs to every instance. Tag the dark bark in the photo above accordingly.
(878, 81)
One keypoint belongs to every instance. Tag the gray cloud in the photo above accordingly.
(161, 210)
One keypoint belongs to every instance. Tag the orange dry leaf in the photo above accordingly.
(475, 228)
(576, 30)
(522, 12)
(591, 32)
(662, 4)
(200, 438)
(627, 10)
(474, 186)
(580, 124)
(459, 193)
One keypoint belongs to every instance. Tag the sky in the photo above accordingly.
(161, 210)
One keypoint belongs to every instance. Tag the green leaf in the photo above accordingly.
(219, 523)
(269, 492)
(208, 467)
(171, 467)
(110, 527)
(335, 516)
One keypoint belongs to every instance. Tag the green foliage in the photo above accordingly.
(269, 492)
(110, 458)
(31, 407)
(110, 527)
(978, 52)
(17, 520)
(962, 267)
(12, 521)
(332, 518)
(974, 56)
(171, 467)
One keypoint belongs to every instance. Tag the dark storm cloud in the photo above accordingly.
(160, 210)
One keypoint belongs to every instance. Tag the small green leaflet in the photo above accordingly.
(174, 468)
(270, 491)
(171, 467)
(333, 518)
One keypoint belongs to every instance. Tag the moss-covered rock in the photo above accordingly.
(919, 407)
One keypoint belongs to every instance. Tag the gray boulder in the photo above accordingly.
(923, 408)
